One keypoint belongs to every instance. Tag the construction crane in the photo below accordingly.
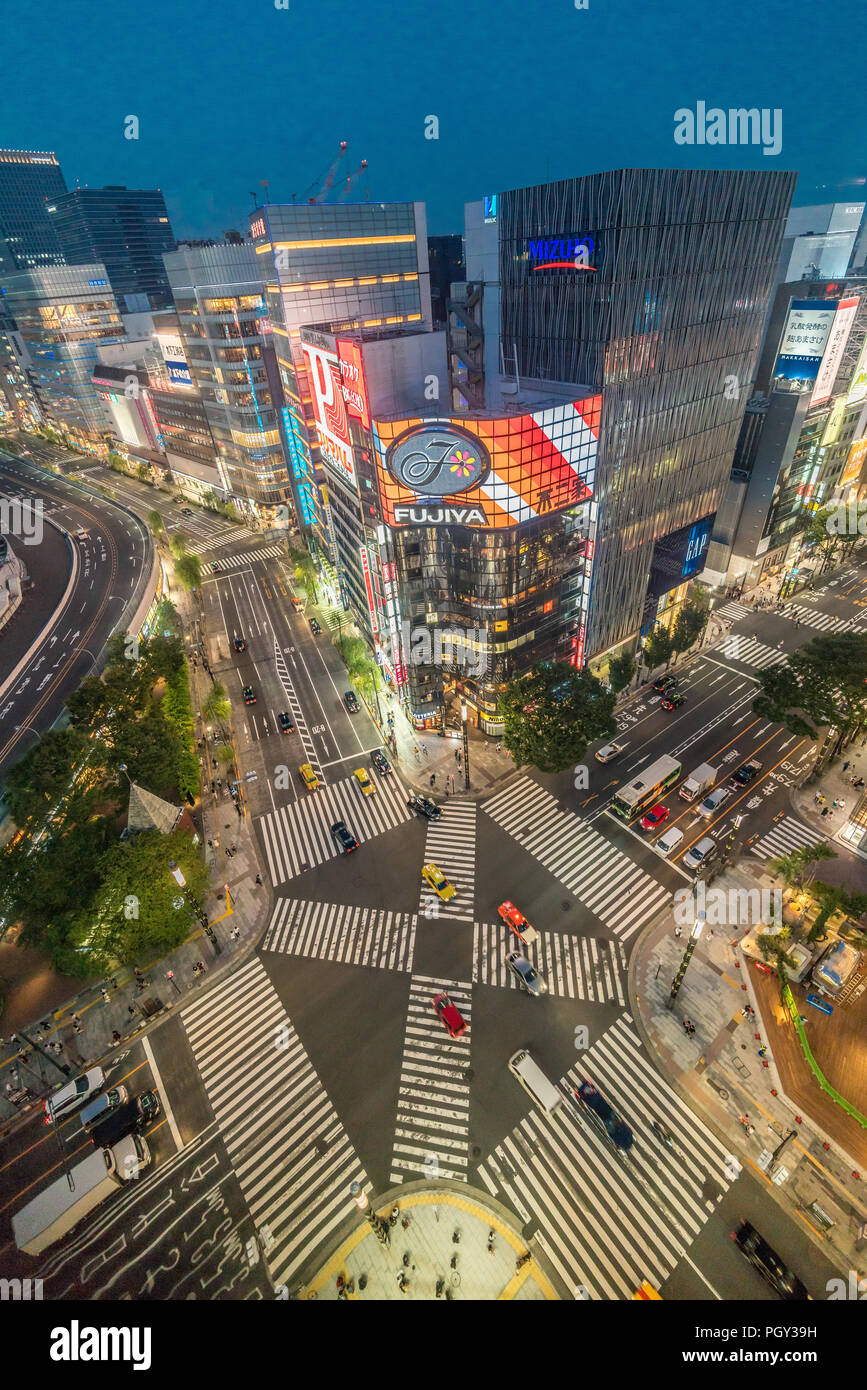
(324, 184)
(350, 179)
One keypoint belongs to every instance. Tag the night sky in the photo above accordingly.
(229, 92)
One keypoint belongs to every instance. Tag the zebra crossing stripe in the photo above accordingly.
(574, 967)
(373, 937)
(602, 877)
(432, 1128)
(732, 611)
(450, 843)
(825, 622)
(604, 1221)
(268, 552)
(296, 710)
(787, 835)
(291, 1155)
(297, 836)
(750, 652)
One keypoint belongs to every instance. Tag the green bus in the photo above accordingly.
(642, 793)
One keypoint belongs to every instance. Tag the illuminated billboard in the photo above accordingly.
(175, 358)
(854, 464)
(352, 380)
(805, 336)
(487, 473)
(833, 355)
(329, 408)
(858, 384)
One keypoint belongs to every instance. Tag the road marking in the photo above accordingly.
(164, 1095)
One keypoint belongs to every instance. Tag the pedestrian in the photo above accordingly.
(75, 1018)
(136, 971)
(234, 933)
(710, 933)
(45, 1027)
(210, 844)
(115, 1035)
(433, 778)
(130, 1010)
(780, 643)
(846, 767)
(228, 852)
(457, 756)
(77, 1028)
(417, 754)
(259, 880)
(678, 931)
(106, 997)
(424, 749)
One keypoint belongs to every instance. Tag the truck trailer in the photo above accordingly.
(58, 1208)
(698, 782)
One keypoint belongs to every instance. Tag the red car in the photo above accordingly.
(517, 922)
(451, 1016)
(654, 818)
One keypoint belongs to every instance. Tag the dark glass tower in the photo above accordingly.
(125, 229)
(28, 179)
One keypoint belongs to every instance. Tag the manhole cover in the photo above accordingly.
(565, 905)
(476, 1151)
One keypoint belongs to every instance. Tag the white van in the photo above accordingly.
(73, 1094)
(534, 1081)
(668, 842)
(701, 853)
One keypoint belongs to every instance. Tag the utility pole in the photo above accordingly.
(697, 929)
(465, 727)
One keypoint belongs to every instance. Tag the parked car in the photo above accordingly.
(450, 1014)
(673, 698)
(746, 773)
(362, 777)
(662, 683)
(380, 762)
(240, 644)
(531, 980)
(249, 695)
(346, 842)
(608, 753)
(768, 1263)
(308, 777)
(286, 722)
(423, 806)
(654, 817)
(437, 880)
(314, 627)
(350, 699)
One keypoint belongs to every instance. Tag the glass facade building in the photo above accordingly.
(30, 180)
(127, 230)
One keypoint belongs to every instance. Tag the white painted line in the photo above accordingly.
(164, 1095)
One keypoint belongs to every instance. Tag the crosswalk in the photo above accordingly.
(750, 652)
(450, 843)
(607, 881)
(298, 836)
(823, 622)
(431, 1137)
(786, 835)
(265, 552)
(575, 967)
(296, 710)
(604, 1221)
(732, 611)
(291, 1155)
(214, 538)
(369, 936)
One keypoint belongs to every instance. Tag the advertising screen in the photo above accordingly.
(487, 473)
(174, 356)
(678, 556)
(804, 339)
(837, 340)
(352, 380)
(854, 464)
(329, 408)
(858, 384)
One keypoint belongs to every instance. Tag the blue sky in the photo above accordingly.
(229, 92)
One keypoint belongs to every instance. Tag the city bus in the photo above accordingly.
(646, 789)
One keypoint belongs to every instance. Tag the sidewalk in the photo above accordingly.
(723, 1074)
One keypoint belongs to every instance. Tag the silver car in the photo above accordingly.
(711, 803)
(529, 978)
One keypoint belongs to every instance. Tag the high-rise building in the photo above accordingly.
(127, 230)
(361, 266)
(60, 316)
(30, 180)
(446, 260)
(227, 341)
(818, 242)
(19, 408)
(648, 288)
(803, 438)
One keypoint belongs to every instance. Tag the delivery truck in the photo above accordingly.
(698, 782)
(58, 1208)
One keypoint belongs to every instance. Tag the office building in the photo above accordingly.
(819, 242)
(649, 289)
(30, 181)
(128, 231)
(353, 266)
(447, 268)
(60, 316)
(227, 354)
(19, 408)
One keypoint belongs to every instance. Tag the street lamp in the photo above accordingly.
(362, 1201)
(465, 728)
(698, 927)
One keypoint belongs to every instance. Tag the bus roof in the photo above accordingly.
(647, 780)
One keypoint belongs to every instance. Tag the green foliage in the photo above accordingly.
(551, 714)
(216, 706)
(657, 648)
(823, 683)
(831, 899)
(178, 710)
(155, 522)
(621, 669)
(178, 545)
(188, 571)
(37, 783)
(45, 891)
(691, 621)
(794, 868)
(305, 571)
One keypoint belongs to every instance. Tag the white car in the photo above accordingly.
(608, 753)
(72, 1095)
(669, 841)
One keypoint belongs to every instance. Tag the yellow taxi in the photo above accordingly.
(438, 882)
(362, 777)
(308, 777)
(646, 1291)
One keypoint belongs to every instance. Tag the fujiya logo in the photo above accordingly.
(77, 1343)
(437, 459)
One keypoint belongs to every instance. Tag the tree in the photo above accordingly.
(823, 538)
(833, 898)
(823, 684)
(150, 748)
(691, 621)
(657, 648)
(794, 868)
(305, 571)
(621, 669)
(155, 522)
(143, 472)
(46, 888)
(178, 545)
(188, 571)
(216, 707)
(773, 945)
(38, 781)
(552, 712)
